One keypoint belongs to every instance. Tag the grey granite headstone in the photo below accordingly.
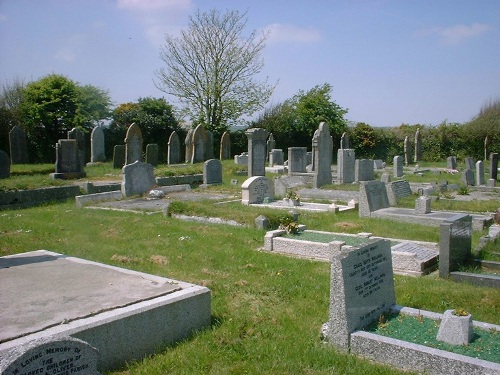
(469, 163)
(261, 222)
(4, 165)
(398, 166)
(455, 243)
(346, 161)
(51, 356)
(200, 145)
(152, 154)
(323, 148)
(493, 165)
(212, 172)
(138, 178)
(397, 190)
(451, 162)
(270, 145)
(79, 137)
(257, 139)
(422, 205)
(407, 151)
(119, 156)
(361, 289)
(97, 153)
(255, 189)
(468, 177)
(479, 172)
(174, 149)
(276, 157)
(372, 197)
(241, 159)
(378, 164)
(297, 160)
(18, 146)
(225, 146)
(418, 146)
(188, 142)
(363, 170)
(133, 144)
(68, 164)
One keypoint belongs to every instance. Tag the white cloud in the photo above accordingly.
(65, 54)
(290, 33)
(458, 33)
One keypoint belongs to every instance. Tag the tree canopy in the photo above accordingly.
(211, 69)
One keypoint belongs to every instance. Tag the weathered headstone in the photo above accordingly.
(486, 144)
(479, 172)
(451, 162)
(188, 142)
(79, 137)
(276, 157)
(455, 243)
(422, 205)
(398, 166)
(270, 145)
(407, 151)
(174, 149)
(469, 163)
(152, 154)
(18, 146)
(344, 141)
(418, 146)
(225, 146)
(323, 148)
(493, 165)
(51, 356)
(363, 170)
(361, 289)
(241, 159)
(97, 153)
(297, 160)
(200, 144)
(468, 177)
(261, 222)
(372, 197)
(138, 178)
(255, 189)
(119, 156)
(385, 177)
(257, 138)
(4, 165)
(133, 144)
(68, 163)
(346, 161)
(396, 190)
(212, 172)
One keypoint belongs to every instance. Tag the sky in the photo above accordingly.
(389, 62)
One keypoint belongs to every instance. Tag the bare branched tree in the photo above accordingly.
(211, 68)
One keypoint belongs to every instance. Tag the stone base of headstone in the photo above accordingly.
(68, 175)
(455, 329)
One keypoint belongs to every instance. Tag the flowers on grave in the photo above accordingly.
(460, 312)
(290, 226)
(291, 194)
(496, 216)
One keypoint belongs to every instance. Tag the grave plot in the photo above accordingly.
(125, 315)
(408, 257)
(361, 292)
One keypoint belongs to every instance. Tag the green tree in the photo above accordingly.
(94, 105)
(211, 69)
(485, 124)
(11, 96)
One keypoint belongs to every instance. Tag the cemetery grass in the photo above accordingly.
(267, 309)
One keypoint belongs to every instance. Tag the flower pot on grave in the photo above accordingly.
(292, 202)
(455, 329)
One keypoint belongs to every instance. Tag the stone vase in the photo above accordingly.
(455, 329)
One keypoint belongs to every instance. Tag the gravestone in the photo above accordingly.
(276, 157)
(257, 139)
(225, 146)
(323, 148)
(4, 165)
(385, 177)
(378, 164)
(79, 137)
(372, 197)
(138, 178)
(152, 154)
(18, 146)
(493, 165)
(212, 172)
(361, 289)
(398, 166)
(468, 177)
(397, 190)
(451, 162)
(133, 144)
(200, 145)
(411, 258)
(422, 205)
(255, 189)
(174, 149)
(418, 146)
(344, 141)
(51, 356)
(188, 142)
(469, 163)
(346, 162)
(455, 243)
(241, 159)
(297, 160)
(486, 144)
(479, 172)
(363, 170)
(407, 151)
(68, 165)
(97, 153)
(119, 156)
(270, 145)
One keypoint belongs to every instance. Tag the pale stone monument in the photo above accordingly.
(257, 138)
(212, 172)
(18, 146)
(323, 146)
(188, 142)
(133, 144)
(276, 157)
(398, 166)
(174, 149)
(97, 153)
(297, 160)
(200, 145)
(372, 197)
(346, 161)
(480, 173)
(407, 151)
(225, 146)
(138, 178)
(79, 137)
(451, 162)
(255, 189)
(418, 146)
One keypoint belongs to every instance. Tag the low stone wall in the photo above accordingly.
(34, 197)
(195, 179)
(478, 279)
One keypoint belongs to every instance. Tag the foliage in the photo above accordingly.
(211, 67)
(11, 96)
(94, 105)
(291, 194)
(460, 312)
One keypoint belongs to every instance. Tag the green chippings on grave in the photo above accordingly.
(423, 331)
(329, 237)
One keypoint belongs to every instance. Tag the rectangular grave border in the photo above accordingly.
(33, 197)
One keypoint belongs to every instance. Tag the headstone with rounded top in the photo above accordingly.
(97, 153)
(18, 146)
(174, 149)
(133, 144)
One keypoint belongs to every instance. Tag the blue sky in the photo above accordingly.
(389, 61)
